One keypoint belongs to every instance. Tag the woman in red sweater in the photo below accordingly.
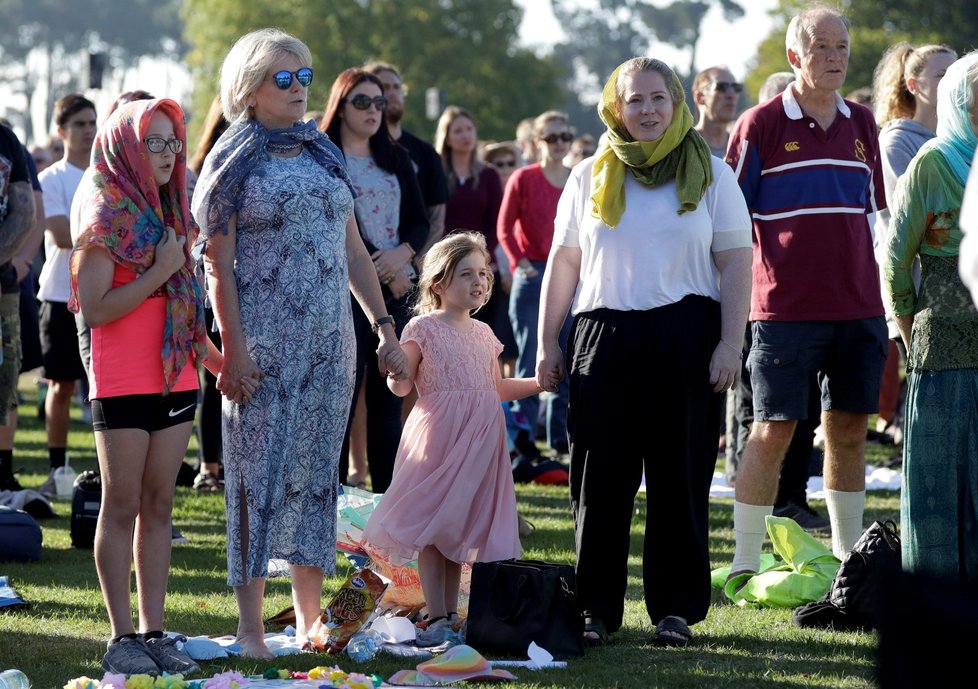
(525, 230)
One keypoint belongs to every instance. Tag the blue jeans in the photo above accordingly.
(524, 314)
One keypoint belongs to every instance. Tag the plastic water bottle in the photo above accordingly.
(64, 481)
(362, 646)
(14, 679)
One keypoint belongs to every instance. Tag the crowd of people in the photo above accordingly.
(366, 303)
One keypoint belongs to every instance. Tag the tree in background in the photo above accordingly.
(465, 48)
(601, 37)
(42, 42)
(876, 25)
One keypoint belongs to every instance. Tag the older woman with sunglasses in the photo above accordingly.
(525, 230)
(390, 213)
(282, 251)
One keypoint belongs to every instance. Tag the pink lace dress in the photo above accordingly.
(453, 482)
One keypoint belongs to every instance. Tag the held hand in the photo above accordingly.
(725, 367)
(400, 285)
(169, 252)
(550, 367)
(239, 377)
(391, 359)
(387, 263)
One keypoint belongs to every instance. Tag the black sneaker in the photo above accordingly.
(170, 658)
(176, 537)
(803, 514)
(130, 657)
(10, 483)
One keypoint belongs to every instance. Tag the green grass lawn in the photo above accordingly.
(63, 635)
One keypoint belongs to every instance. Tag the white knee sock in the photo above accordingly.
(846, 517)
(749, 531)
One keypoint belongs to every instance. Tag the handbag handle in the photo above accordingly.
(517, 607)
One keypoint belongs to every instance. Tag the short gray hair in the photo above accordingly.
(774, 84)
(794, 37)
(247, 65)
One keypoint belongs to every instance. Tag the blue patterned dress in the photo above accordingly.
(283, 447)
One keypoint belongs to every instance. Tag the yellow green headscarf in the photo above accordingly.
(680, 153)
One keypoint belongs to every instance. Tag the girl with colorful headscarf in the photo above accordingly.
(132, 280)
(939, 325)
(652, 252)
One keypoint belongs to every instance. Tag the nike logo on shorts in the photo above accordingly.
(178, 412)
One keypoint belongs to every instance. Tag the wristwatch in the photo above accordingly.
(383, 320)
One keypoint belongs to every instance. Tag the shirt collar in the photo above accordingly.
(793, 110)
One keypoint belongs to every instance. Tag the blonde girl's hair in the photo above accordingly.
(892, 99)
(439, 267)
(445, 122)
(247, 63)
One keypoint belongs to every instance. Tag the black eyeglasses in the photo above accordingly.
(724, 85)
(504, 163)
(283, 79)
(156, 144)
(363, 102)
(566, 137)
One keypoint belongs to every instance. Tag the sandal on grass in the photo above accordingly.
(672, 631)
(595, 633)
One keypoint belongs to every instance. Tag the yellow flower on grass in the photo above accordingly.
(139, 682)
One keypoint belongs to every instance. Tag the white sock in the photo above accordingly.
(749, 532)
(846, 517)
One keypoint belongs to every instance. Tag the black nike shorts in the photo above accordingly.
(146, 412)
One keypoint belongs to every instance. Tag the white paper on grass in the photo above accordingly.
(538, 658)
(394, 630)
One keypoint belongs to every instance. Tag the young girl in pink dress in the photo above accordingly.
(451, 499)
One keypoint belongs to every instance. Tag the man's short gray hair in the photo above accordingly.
(247, 65)
(794, 38)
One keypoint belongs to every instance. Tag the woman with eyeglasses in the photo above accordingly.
(525, 230)
(282, 252)
(132, 280)
(474, 195)
(393, 225)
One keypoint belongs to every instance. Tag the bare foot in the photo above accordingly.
(253, 646)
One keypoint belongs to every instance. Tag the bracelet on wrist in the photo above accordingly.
(411, 249)
(740, 352)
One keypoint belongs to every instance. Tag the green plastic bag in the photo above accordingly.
(803, 574)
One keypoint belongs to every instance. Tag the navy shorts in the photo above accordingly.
(847, 357)
(148, 413)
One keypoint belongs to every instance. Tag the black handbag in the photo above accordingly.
(514, 602)
(854, 601)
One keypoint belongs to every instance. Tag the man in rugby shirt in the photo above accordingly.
(808, 165)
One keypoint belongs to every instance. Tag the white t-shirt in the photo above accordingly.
(654, 257)
(58, 182)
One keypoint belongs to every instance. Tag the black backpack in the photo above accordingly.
(854, 600)
(86, 501)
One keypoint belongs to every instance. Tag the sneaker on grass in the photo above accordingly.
(49, 489)
(803, 514)
(129, 657)
(178, 538)
(170, 658)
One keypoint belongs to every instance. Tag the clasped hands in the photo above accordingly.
(239, 378)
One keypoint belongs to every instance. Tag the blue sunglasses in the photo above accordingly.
(283, 79)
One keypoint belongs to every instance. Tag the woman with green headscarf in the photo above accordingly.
(652, 248)
(939, 325)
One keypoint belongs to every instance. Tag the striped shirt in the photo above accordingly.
(810, 192)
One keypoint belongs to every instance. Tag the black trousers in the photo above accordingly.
(383, 406)
(640, 398)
